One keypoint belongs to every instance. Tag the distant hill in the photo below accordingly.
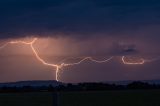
(34, 83)
(125, 82)
(37, 83)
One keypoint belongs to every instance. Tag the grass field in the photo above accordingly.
(92, 98)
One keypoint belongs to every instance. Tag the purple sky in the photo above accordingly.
(78, 28)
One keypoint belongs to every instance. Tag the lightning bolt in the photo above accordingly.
(58, 67)
(142, 61)
(87, 58)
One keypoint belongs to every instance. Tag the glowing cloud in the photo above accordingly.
(58, 67)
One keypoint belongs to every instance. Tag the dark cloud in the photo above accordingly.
(77, 18)
(97, 28)
(122, 48)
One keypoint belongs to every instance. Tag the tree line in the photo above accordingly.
(81, 87)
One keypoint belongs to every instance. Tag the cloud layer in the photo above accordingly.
(78, 18)
(66, 28)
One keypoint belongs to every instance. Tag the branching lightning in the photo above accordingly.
(58, 67)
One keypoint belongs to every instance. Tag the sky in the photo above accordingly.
(80, 28)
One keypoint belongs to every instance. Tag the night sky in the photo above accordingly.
(80, 28)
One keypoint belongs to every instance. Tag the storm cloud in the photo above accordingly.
(79, 18)
(79, 28)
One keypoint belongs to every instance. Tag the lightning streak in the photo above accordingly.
(141, 61)
(58, 67)
(35, 53)
(153, 59)
(88, 58)
(3, 46)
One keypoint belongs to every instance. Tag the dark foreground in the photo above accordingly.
(84, 98)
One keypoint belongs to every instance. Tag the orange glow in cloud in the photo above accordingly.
(58, 67)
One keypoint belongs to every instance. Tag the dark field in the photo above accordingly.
(91, 98)
(26, 99)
